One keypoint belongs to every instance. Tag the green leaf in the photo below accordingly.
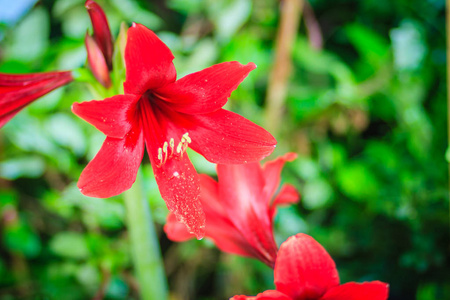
(27, 166)
(316, 193)
(357, 181)
(66, 132)
(30, 39)
(409, 46)
(370, 45)
(229, 16)
(70, 245)
(19, 238)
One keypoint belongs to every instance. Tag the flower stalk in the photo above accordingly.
(144, 244)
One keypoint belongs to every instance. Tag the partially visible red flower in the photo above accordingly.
(19, 90)
(168, 115)
(99, 46)
(240, 208)
(305, 271)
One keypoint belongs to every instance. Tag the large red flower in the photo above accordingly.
(240, 208)
(19, 90)
(168, 115)
(305, 271)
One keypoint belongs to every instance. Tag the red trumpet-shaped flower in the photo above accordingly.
(99, 46)
(168, 115)
(19, 90)
(240, 208)
(305, 271)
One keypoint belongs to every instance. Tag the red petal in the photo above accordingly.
(27, 79)
(102, 33)
(272, 173)
(113, 116)
(242, 297)
(267, 295)
(19, 90)
(224, 137)
(375, 290)
(177, 179)
(179, 186)
(205, 91)
(97, 61)
(148, 61)
(114, 168)
(219, 226)
(288, 195)
(304, 269)
(14, 97)
(175, 230)
(240, 188)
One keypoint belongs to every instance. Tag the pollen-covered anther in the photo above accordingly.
(163, 153)
(183, 144)
(160, 155)
(172, 145)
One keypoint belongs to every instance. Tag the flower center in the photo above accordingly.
(168, 150)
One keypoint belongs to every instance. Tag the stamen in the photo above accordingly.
(165, 151)
(183, 145)
(186, 138)
(160, 158)
(181, 148)
(160, 154)
(172, 144)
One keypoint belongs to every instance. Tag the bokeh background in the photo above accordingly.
(364, 106)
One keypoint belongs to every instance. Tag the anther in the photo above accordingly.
(181, 148)
(186, 138)
(172, 145)
(165, 151)
(160, 154)
(160, 157)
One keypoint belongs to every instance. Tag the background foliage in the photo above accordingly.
(366, 113)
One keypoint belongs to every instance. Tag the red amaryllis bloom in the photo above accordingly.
(240, 208)
(305, 271)
(99, 46)
(168, 115)
(19, 90)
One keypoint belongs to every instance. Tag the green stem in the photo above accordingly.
(447, 18)
(144, 244)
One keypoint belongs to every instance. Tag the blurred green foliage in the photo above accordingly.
(367, 114)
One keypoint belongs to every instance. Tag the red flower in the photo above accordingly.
(305, 271)
(99, 46)
(168, 116)
(19, 90)
(240, 208)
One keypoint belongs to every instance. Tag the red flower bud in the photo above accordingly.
(102, 33)
(305, 271)
(97, 62)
